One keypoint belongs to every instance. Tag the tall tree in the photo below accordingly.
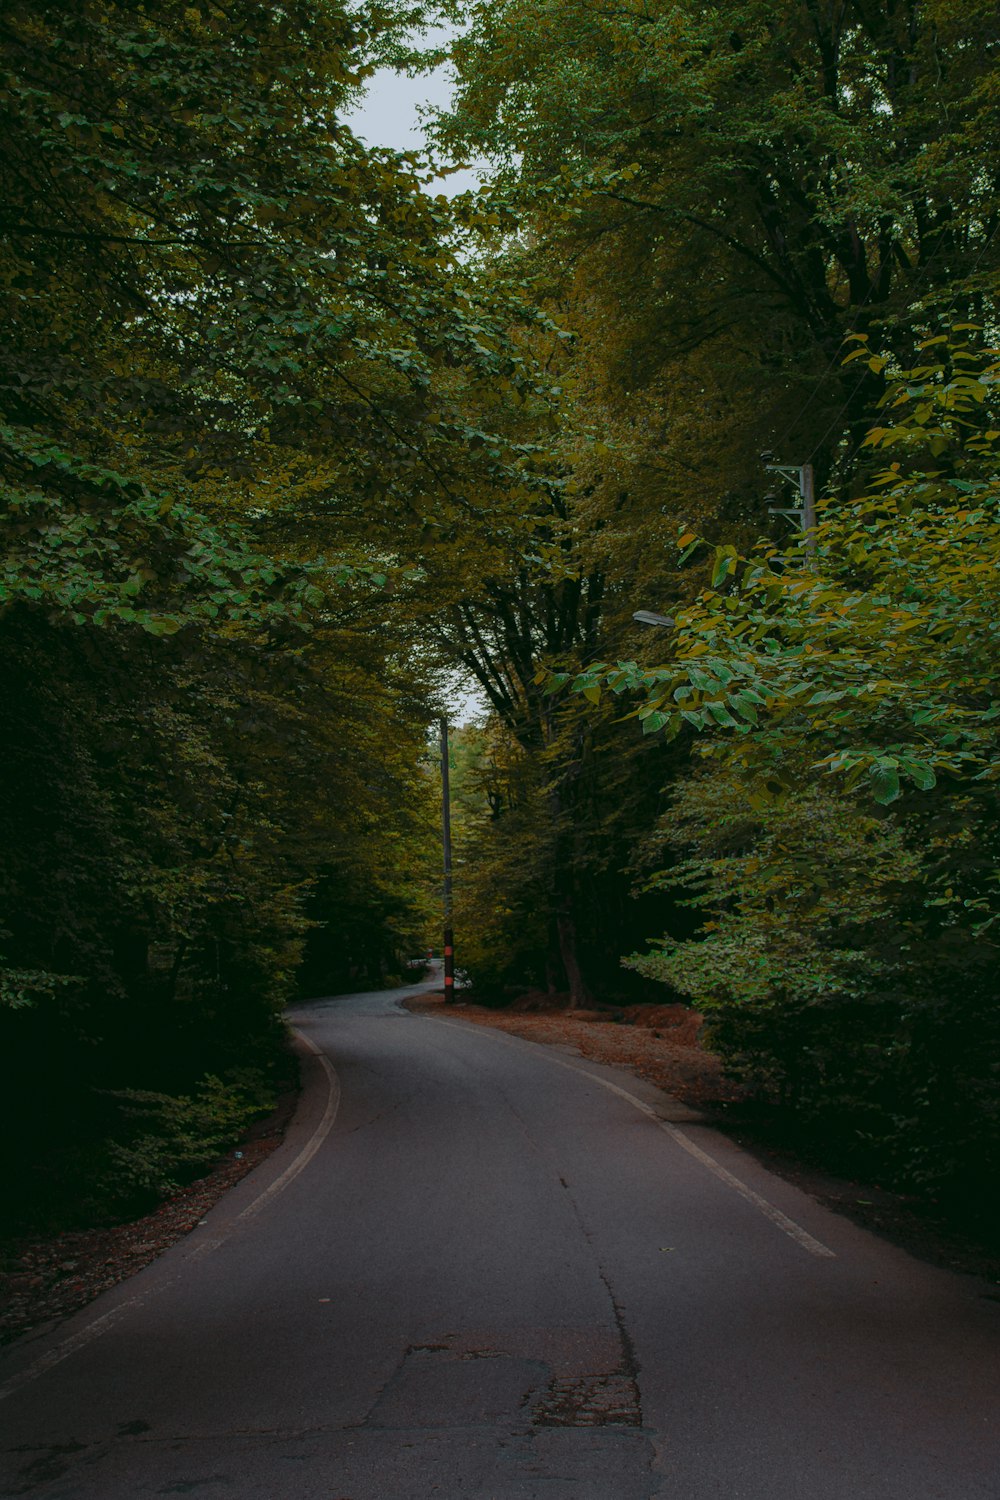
(840, 838)
(751, 181)
(236, 374)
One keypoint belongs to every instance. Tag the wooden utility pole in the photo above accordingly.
(449, 941)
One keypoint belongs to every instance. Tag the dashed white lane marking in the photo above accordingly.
(100, 1325)
(769, 1210)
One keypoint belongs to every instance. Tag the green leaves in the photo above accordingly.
(162, 624)
(884, 780)
(745, 706)
(724, 566)
(836, 697)
(877, 651)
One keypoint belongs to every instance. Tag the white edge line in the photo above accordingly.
(769, 1210)
(100, 1325)
(316, 1140)
(793, 1230)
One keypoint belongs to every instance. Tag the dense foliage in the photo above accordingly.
(840, 832)
(237, 394)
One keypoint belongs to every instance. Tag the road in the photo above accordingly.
(481, 1268)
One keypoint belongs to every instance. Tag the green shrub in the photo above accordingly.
(170, 1136)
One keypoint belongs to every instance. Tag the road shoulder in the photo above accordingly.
(667, 1053)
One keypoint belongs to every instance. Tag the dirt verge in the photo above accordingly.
(43, 1279)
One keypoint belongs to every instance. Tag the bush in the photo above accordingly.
(173, 1135)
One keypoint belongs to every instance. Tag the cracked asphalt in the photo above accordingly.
(489, 1271)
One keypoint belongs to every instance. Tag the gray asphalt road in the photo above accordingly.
(484, 1269)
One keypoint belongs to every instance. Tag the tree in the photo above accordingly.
(236, 379)
(238, 307)
(757, 180)
(841, 839)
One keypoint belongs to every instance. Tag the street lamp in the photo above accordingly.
(648, 617)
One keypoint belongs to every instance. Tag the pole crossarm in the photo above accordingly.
(804, 515)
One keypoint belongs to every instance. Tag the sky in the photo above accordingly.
(388, 114)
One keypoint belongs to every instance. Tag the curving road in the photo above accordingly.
(480, 1268)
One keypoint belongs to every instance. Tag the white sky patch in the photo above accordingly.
(389, 113)
(466, 702)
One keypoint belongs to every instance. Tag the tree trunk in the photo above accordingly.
(579, 994)
(553, 962)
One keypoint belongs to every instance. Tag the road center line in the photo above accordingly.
(769, 1210)
(100, 1325)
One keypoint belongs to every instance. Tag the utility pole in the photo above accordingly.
(804, 514)
(449, 941)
